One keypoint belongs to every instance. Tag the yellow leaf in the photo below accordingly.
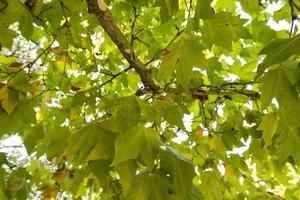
(75, 112)
(64, 63)
(217, 144)
(56, 50)
(64, 59)
(46, 98)
(229, 171)
(8, 99)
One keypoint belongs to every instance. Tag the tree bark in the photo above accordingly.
(106, 20)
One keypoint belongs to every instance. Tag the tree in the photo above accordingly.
(157, 99)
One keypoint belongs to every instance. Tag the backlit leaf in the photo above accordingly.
(278, 51)
(269, 127)
(182, 56)
(129, 145)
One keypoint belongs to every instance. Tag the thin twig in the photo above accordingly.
(291, 3)
(141, 41)
(179, 32)
(106, 20)
(204, 115)
(132, 27)
(11, 146)
(114, 76)
(29, 65)
(292, 28)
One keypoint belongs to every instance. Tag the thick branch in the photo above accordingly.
(100, 9)
(202, 94)
(227, 90)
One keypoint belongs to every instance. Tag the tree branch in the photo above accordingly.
(104, 15)
(115, 76)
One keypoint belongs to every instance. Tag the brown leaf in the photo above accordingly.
(201, 95)
(15, 64)
(49, 192)
(165, 52)
(229, 171)
(61, 175)
(75, 88)
(2, 85)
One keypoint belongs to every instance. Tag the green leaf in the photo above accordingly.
(148, 186)
(31, 137)
(228, 5)
(288, 143)
(2, 195)
(20, 82)
(16, 180)
(8, 99)
(103, 148)
(124, 108)
(139, 140)
(92, 142)
(212, 71)
(168, 9)
(217, 144)
(250, 7)
(150, 147)
(127, 171)
(269, 87)
(169, 112)
(211, 185)
(54, 142)
(181, 174)
(26, 24)
(106, 133)
(182, 56)
(129, 145)
(203, 11)
(276, 84)
(278, 51)
(6, 36)
(3, 160)
(269, 127)
(218, 31)
(100, 168)
(22, 116)
(282, 13)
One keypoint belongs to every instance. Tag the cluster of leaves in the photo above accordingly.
(104, 107)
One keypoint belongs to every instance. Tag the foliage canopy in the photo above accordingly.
(150, 99)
